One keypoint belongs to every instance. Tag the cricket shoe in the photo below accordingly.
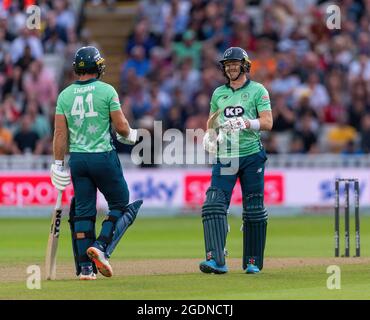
(210, 266)
(101, 262)
(252, 268)
(87, 273)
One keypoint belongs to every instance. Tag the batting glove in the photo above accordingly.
(210, 142)
(59, 177)
(221, 137)
(234, 124)
(130, 139)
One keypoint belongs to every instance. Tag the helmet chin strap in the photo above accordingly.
(240, 72)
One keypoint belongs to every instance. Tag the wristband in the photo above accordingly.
(254, 124)
(59, 163)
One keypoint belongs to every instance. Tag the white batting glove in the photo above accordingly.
(234, 124)
(60, 178)
(210, 143)
(130, 139)
(221, 137)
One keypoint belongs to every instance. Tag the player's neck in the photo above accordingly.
(238, 83)
(85, 77)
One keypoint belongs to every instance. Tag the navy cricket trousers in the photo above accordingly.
(92, 171)
(249, 169)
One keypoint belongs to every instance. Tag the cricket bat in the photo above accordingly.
(213, 121)
(51, 250)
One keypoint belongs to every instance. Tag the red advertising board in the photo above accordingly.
(35, 189)
(30, 189)
(196, 186)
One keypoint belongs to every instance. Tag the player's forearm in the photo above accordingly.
(266, 124)
(263, 123)
(60, 145)
(120, 123)
(123, 128)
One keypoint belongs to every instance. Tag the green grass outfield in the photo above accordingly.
(158, 259)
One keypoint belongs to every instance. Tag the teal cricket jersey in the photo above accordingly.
(87, 106)
(245, 102)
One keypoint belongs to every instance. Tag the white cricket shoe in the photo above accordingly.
(87, 273)
(101, 262)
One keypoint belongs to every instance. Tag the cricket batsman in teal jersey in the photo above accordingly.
(84, 113)
(244, 110)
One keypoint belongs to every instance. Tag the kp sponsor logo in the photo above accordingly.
(231, 111)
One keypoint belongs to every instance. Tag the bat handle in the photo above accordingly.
(58, 205)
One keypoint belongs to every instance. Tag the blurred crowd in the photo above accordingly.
(318, 78)
(29, 86)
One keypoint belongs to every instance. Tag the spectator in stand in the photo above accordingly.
(137, 62)
(307, 131)
(360, 69)
(160, 63)
(11, 110)
(286, 80)
(54, 45)
(297, 145)
(351, 148)
(319, 97)
(14, 86)
(40, 123)
(52, 27)
(4, 25)
(39, 82)
(65, 16)
(26, 38)
(140, 99)
(187, 77)
(241, 36)
(26, 59)
(175, 118)
(160, 101)
(16, 19)
(141, 37)
(152, 10)
(218, 34)
(4, 44)
(264, 61)
(358, 105)
(340, 135)
(26, 140)
(271, 144)
(176, 16)
(365, 133)
(284, 118)
(188, 47)
(334, 110)
(6, 138)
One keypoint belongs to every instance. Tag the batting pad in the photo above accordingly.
(215, 225)
(254, 230)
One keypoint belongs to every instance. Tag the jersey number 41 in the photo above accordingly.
(78, 108)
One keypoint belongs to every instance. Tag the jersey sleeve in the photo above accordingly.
(113, 100)
(213, 103)
(263, 100)
(59, 108)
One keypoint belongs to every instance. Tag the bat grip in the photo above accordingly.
(58, 205)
